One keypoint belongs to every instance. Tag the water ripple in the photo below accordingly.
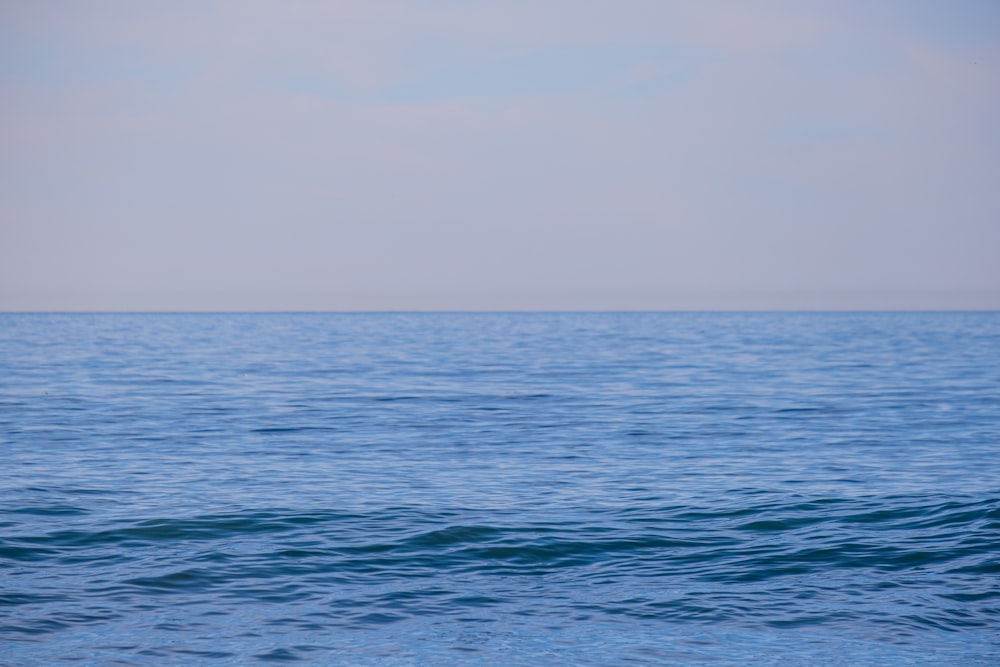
(517, 489)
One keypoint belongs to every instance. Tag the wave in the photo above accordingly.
(910, 560)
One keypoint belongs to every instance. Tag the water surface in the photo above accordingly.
(516, 489)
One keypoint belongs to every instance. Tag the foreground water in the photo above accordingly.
(516, 489)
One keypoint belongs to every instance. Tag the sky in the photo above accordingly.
(515, 155)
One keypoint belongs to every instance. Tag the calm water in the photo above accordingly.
(514, 489)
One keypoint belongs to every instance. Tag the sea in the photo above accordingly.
(724, 488)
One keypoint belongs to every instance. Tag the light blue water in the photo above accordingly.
(514, 489)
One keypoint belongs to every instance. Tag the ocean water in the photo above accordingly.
(509, 489)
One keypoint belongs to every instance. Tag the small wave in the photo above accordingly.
(804, 562)
(203, 528)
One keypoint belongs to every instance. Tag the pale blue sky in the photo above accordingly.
(550, 154)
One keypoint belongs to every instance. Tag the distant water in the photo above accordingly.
(510, 489)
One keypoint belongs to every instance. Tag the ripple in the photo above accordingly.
(517, 489)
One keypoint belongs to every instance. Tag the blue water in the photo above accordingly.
(511, 489)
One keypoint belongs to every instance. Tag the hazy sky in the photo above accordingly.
(457, 154)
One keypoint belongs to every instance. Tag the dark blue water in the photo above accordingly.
(514, 489)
